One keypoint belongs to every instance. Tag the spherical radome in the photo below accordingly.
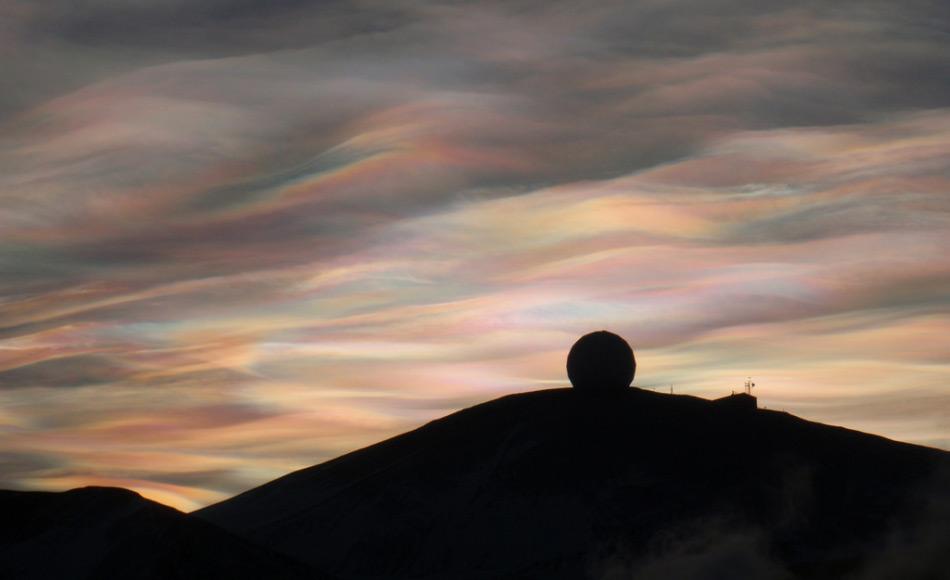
(601, 361)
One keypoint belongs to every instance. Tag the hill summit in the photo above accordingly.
(567, 483)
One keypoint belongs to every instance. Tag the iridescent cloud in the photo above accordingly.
(236, 242)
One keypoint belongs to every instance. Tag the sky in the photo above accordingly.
(239, 238)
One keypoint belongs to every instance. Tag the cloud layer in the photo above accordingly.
(238, 239)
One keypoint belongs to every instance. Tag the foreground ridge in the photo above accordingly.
(567, 484)
(107, 532)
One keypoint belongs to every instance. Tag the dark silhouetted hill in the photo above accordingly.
(101, 532)
(635, 484)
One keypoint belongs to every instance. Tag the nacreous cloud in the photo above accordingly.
(238, 240)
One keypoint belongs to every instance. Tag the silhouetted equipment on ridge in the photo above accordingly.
(603, 362)
(600, 362)
(740, 401)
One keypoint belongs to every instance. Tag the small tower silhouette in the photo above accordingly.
(749, 385)
(743, 401)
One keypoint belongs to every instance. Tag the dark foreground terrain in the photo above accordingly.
(103, 532)
(546, 485)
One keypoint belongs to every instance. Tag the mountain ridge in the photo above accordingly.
(552, 484)
(570, 481)
(109, 532)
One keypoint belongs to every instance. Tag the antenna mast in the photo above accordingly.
(749, 386)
